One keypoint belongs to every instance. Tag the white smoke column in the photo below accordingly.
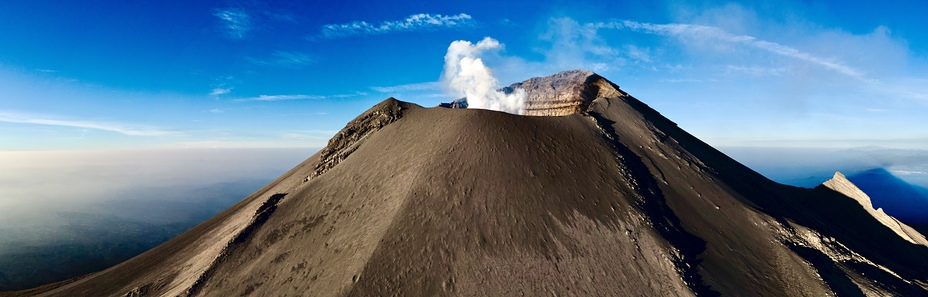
(466, 76)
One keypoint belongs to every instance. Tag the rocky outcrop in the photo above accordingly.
(839, 183)
(564, 93)
(347, 140)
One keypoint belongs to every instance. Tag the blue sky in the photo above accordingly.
(177, 74)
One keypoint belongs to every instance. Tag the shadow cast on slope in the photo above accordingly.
(830, 213)
(654, 205)
(831, 273)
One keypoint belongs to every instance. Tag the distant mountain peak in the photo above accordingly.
(839, 183)
(842, 185)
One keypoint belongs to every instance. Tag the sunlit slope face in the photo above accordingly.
(565, 93)
(613, 199)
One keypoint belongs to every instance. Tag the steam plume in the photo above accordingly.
(466, 76)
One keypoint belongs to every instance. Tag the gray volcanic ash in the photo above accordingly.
(608, 198)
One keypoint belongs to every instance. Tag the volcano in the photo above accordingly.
(595, 195)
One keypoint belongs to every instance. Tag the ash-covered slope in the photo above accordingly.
(612, 200)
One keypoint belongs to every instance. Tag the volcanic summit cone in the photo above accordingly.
(608, 198)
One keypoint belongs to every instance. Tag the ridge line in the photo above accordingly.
(652, 202)
(262, 214)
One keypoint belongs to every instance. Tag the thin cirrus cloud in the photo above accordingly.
(131, 130)
(757, 70)
(416, 22)
(424, 86)
(284, 59)
(710, 33)
(283, 97)
(235, 21)
(220, 91)
(297, 97)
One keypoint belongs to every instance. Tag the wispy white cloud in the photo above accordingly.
(423, 86)
(683, 80)
(299, 97)
(220, 91)
(910, 88)
(282, 97)
(576, 46)
(908, 172)
(757, 70)
(715, 34)
(127, 129)
(236, 22)
(416, 22)
(285, 59)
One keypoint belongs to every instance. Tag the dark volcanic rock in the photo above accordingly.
(460, 103)
(346, 140)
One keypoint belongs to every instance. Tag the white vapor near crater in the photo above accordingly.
(466, 76)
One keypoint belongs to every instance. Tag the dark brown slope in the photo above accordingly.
(732, 207)
(615, 200)
(453, 208)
